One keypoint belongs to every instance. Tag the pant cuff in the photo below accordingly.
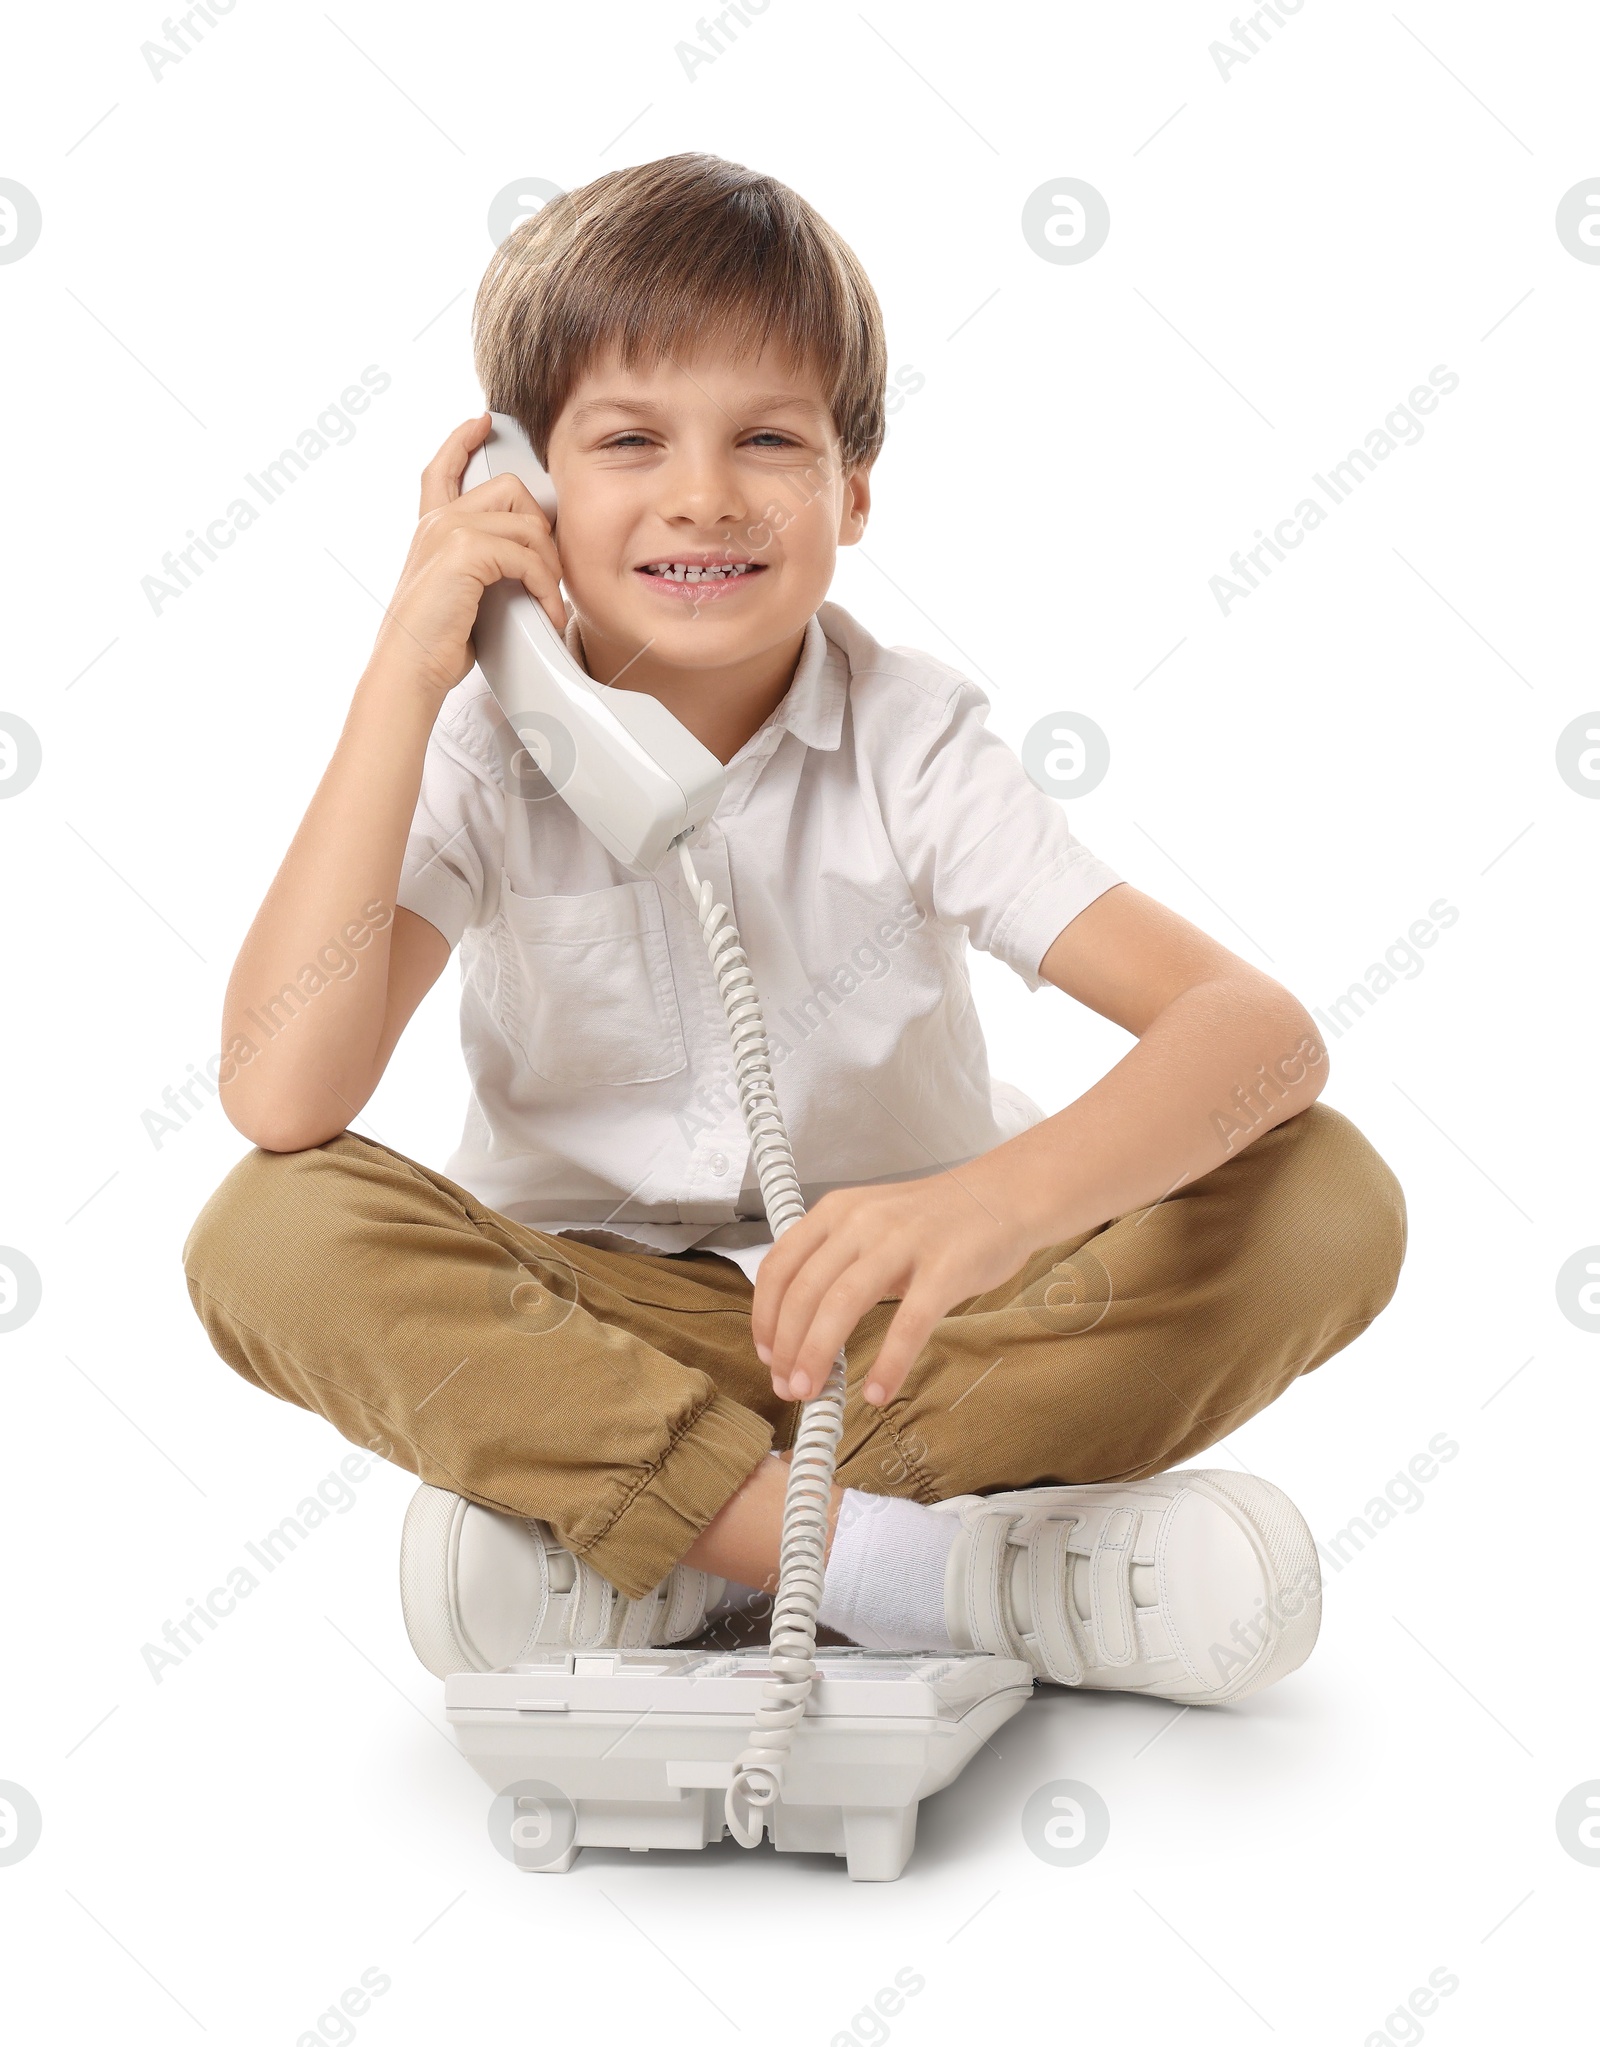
(701, 1471)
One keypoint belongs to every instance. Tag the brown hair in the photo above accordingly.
(658, 256)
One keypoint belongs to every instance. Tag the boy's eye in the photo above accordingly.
(762, 434)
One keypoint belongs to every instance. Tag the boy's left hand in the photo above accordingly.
(931, 1242)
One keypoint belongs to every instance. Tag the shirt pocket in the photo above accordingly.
(585, 985)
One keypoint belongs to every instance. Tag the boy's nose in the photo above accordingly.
(706, 494)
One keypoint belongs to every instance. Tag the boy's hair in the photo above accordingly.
(656, 258)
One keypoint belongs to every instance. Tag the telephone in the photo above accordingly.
(634, 775)
(883, 1731)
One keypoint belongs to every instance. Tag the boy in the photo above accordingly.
(583, 1339)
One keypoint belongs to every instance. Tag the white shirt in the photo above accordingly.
(869, 829)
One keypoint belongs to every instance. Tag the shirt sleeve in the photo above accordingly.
(982, 845)
(451, 870)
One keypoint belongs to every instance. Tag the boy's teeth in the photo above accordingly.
(681, 572)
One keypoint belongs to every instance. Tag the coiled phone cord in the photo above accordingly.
(759, 1770)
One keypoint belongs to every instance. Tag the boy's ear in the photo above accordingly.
(857, 504)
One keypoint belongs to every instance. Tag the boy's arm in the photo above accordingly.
(300, 1061)
(1224, 1053)
(313, 1060)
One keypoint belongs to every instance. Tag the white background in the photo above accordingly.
(1291, 252)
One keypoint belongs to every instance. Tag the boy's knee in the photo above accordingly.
(1349, 1209)
(271, 1204)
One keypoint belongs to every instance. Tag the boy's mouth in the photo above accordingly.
(703, 575)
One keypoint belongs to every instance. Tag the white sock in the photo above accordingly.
(884, 1582)
(735, 1598)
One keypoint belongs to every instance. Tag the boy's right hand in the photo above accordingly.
(463, 543)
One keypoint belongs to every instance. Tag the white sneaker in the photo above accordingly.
(480, 1590)
(1199, 1586)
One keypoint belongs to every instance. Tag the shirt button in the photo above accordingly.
(718, 1163)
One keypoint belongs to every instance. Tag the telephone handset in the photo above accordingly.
(618, 757)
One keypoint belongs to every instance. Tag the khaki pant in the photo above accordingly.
(618, 1396)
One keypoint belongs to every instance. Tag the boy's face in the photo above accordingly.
(731, 458)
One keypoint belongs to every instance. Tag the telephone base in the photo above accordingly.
(635, 1748)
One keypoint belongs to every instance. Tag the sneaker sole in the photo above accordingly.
(1288, 1553)
(431, 1591)
(427, 1548)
